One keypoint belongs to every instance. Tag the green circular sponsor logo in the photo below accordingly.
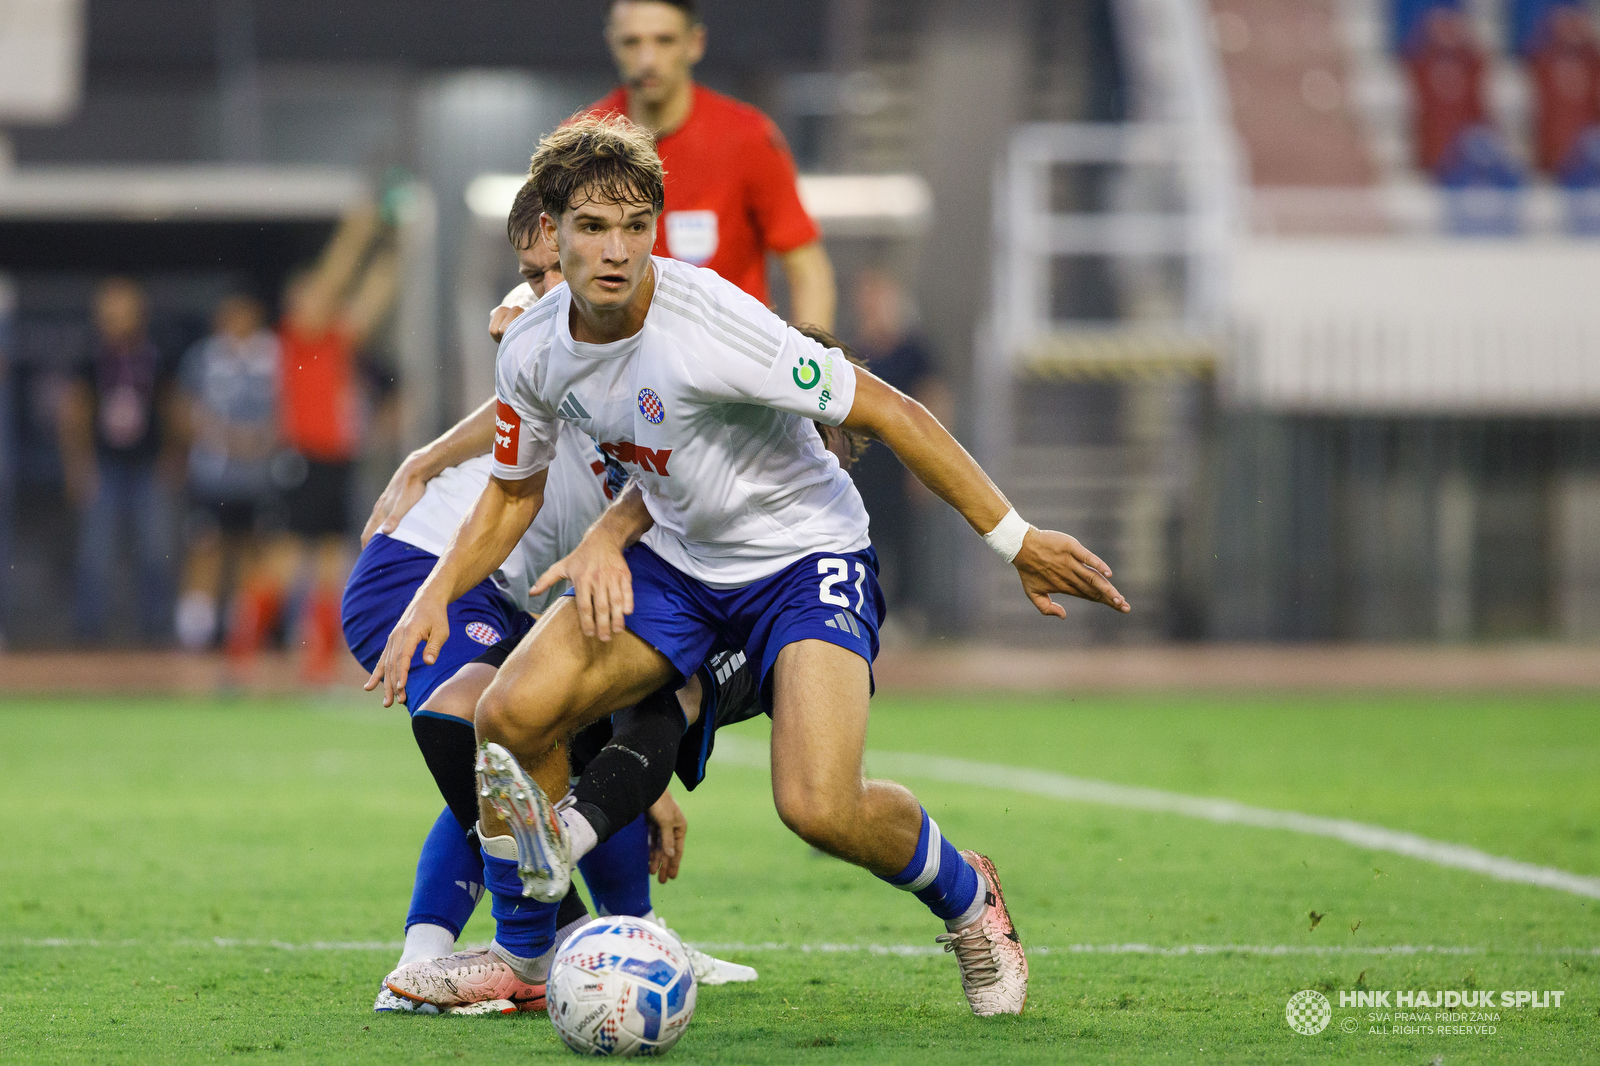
(807, 374)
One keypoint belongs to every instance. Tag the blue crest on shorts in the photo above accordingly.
(650, 407)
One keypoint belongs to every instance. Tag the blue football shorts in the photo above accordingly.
(825, 596)
(386, 576)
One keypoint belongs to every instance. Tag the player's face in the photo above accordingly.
(655, 47)
(604, 249)
(539, 264)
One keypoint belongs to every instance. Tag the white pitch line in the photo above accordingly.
(873, 949)
(743, 752)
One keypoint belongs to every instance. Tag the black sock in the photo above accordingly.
(450, 748)
(633, 769)
(572, 908)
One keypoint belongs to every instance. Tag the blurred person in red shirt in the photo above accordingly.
(732, 193)
(121, 436)
(1446, 69)
(330, 311)
(1566, 78)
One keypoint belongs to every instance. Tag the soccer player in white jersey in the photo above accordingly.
(756, 536)
(410, 526)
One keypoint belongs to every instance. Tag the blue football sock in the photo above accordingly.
(449, 877)
(524, 927)
(938, 875)
(618, 871)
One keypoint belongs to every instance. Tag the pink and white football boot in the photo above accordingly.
(465, 979)
(994, 970)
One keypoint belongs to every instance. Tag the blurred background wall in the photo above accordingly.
(1286, 309)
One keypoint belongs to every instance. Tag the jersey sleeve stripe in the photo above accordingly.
(729, 323)
(731, 340)
(528, 319)
(694, 294)
(733, 317)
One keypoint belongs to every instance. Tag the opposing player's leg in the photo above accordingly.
(496, 980)
(555, 683)
(819, 720)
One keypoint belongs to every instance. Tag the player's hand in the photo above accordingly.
(1055, 562)
(668, 827)
(426, 619)
(601, 582)
(500, 320)
(405, 488)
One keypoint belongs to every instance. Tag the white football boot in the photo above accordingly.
(481, 980)
(709, 970)
(994, 970)
(544, 852)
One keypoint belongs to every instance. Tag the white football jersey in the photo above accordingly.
(574, 496)
(708, 404)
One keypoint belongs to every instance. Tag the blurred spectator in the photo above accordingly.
(230, 382)
(896, 502)
(1446, 70)
(1566, 79)
(330, 311)
(121, 454)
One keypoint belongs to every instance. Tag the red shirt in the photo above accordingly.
(731, 189)
(320, 411)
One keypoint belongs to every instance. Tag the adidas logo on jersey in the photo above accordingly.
(640, 456)
(571, 409)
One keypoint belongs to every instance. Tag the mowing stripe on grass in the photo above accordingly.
(743, 752)
(830, 949)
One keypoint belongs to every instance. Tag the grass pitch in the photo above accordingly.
(195, 881)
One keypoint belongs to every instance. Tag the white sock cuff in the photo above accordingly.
(533, 971)
(975, 909)
(580, 834)
(426, 941)
(930, 865)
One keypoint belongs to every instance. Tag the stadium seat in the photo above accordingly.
(1565, 65)
(1446, 72)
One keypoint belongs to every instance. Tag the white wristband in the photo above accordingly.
(1006, 537)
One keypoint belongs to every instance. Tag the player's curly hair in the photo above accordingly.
(601, 158)
(858, 443)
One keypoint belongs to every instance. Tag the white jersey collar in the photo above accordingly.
(613, 349)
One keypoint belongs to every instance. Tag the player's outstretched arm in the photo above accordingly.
(601, 581)
(481, 543)
(471, 437)
(1047, 561)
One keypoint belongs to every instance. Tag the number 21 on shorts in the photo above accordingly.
(835, 571)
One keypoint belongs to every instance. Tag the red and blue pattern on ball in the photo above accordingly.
(650, 407)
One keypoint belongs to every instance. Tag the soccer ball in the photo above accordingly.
(621, 986)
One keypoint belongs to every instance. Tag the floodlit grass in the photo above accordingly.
(148, 837)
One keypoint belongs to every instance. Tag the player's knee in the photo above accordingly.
(822, 820)
(453, 700)
(497, 719)
(518, 724)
